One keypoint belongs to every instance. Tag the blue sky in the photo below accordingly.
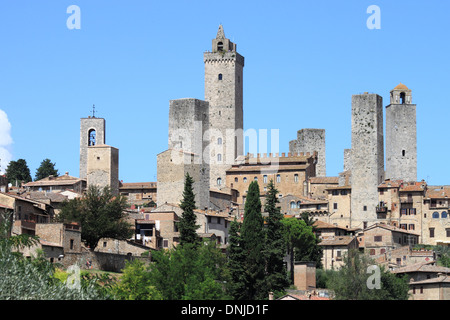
(303, 61)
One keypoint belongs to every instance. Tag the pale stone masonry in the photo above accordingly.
(224, 92)
(311, 140)
(367, 157)
(92, 132)
(103, 167)
(401, 136)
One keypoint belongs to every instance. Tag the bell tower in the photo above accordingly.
(92, 133)
(401, 136)
(224, 92)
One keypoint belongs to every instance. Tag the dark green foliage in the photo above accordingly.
(100, 214)
(350, 282)
(47, 168)
(17, 172)
(189, 272)
(300, 240)
(236, 259)
(187, 224)
(252, 241)
(275, 250)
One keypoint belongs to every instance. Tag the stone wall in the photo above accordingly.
(86, 125)
(311, 140)
(367, 157)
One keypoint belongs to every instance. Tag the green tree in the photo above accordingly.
(32, 279)
(187, 225)
(275, 249)
(17, 172)
(189, 272)
(101, 215)
(312, 252)
(252, 241)
(300, 239)
(235, 262)
(47, 168)
(134, 284)
(351, 281)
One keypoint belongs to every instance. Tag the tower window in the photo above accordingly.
(219, 157)
(402, 98)
(220, 76)
(403, 153)
(219, 141)
(220, 46)
(92, 137)
(219, 181)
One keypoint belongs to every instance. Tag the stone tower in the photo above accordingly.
(224, 92)
(92, 132)
(311, 140)
(188, 144)
(103, 167)
(401, 136)
(367, 157)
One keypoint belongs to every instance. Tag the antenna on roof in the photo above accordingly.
(93, 111)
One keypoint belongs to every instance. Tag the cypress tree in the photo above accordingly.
(252, 240)
(187, 224)
(236, 260)
(276, 248)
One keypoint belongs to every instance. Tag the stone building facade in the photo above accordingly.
(401, 136)
(224, 92)
(367, 157)
(311, 140)
(289, 173)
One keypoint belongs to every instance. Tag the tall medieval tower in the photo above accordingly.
(367, 157)
(224, 92)
(92, 133)
(401, 136)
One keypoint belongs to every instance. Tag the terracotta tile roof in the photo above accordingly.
(324, 225)
(437, 192)
(138, 185)
(401, 86)
(422, 267)
(324, 180)
(391, 228)
(440, 279)
(337, 241)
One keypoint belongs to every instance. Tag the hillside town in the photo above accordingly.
(376, 205)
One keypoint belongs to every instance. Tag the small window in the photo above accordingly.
(335, 205)
(104, 244)
(403, 153)
(219, 141)
(265, 178)
(435, 215)
(255, 178)
(295, 177)
(365, 208)
(293, 205)
(220, 46)
(245, 179)
(219, 181)
(236, 179)
(219, 157)
(444, 214)
(71, 244)
(278, 178)
(378, 238)
(431, 232)
(298, 204)
(220, 76)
